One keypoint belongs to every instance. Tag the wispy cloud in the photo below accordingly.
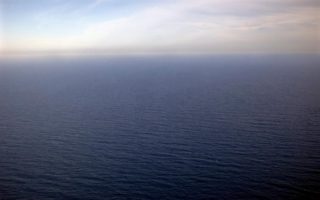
(180, 25)
(1, 28)
(96, 3)
(183, 26)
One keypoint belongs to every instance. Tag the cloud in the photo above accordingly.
(1, 28)
(178, 27)
(188, 26)
(96, 3)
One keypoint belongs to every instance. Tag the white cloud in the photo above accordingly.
(178, 27)
(198, 25)
(96, 3)
(1, 28)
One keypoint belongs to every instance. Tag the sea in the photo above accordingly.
(157, 127)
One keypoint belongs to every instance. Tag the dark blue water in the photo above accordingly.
(184, 127)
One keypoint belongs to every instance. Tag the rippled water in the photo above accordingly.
(193, 127)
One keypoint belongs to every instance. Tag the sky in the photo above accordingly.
(183, 26)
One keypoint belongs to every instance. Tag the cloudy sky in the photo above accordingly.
(124, 26)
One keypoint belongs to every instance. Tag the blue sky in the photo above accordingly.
(124, 26)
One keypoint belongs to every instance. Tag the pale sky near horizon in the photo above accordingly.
(210, 26)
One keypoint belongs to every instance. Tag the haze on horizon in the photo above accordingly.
(195, 26)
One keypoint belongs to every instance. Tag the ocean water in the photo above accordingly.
(160, 127)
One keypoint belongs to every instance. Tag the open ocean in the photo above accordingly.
(160, 127)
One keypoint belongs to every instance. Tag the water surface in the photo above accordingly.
(162, 127)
